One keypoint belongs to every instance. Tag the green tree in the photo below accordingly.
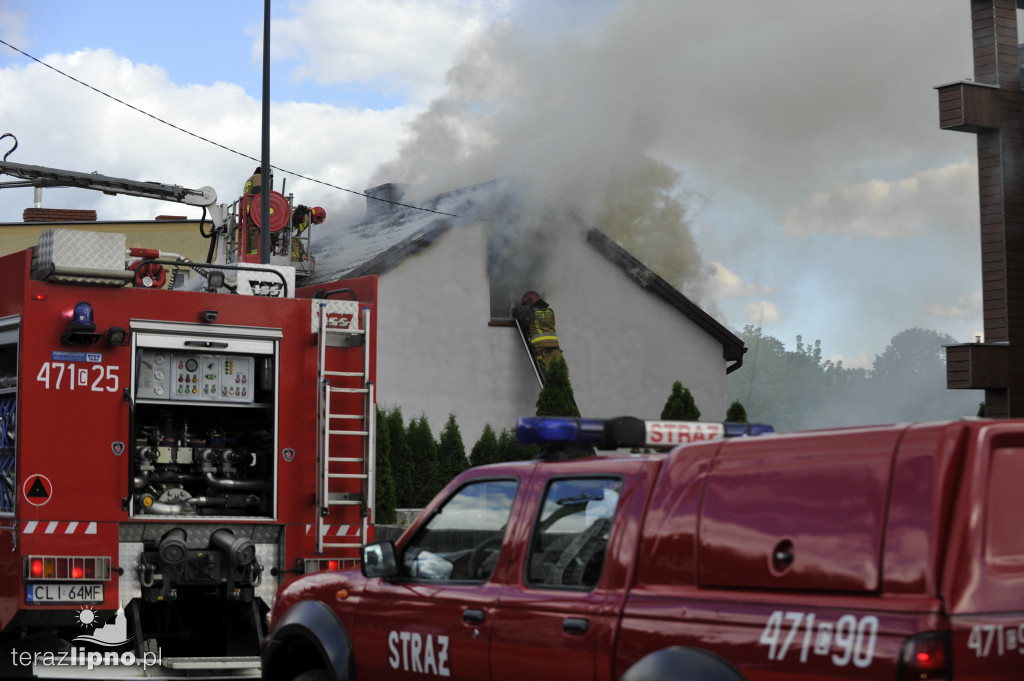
(736, 412)
(485, 450)
(680, 405)
(509, 448)
(909, 379)
(797, 390)
(556, 397)
(421, 442)
(451, 453)
(402, 465)
(385, 487)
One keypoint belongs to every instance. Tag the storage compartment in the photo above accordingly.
(205, 422)
(803, 513)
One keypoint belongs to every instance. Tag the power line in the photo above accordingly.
(218, 144)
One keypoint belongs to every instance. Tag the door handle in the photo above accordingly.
(473, 616)
(575, 625)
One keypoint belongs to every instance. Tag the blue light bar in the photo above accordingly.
(740, 429)
(545, 430)
(626, 431)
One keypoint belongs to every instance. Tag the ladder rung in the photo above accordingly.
(343, 459)
(350, 374)
(341, 546)
(349, 390)
(348, 432)
(342, 332)
(347, 476)
(346, 416)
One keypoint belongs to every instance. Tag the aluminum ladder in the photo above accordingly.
(343, 329)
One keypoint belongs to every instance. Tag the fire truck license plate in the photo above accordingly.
(64, 593)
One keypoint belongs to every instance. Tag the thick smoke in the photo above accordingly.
(558, 118)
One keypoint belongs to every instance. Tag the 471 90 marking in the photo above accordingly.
(854, 637)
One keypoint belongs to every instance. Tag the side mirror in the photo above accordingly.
(378, 560)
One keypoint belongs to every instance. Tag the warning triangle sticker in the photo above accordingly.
(37, 489)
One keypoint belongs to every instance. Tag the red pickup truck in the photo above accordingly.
(889, 552)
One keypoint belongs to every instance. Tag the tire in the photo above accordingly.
(319, 674)
(682, 664)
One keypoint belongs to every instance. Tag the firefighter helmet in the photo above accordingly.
(530, 297)
(319, 215)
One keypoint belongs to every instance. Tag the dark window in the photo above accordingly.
(571, 536)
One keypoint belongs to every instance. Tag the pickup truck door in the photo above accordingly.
(434, 619)
(561, 601)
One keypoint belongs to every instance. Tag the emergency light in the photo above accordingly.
(626, 431)
(81, 328)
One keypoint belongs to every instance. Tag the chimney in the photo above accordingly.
(388, 191)
(57, 215)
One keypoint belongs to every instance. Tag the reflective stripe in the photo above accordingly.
(534, 339)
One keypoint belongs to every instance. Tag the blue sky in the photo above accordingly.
(819, 198)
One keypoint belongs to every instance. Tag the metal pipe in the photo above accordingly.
(229, 483)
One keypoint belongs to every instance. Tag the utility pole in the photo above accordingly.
(265, 187)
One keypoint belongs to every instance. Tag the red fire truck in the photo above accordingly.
(170, 456)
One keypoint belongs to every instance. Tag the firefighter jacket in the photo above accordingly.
(540, 326)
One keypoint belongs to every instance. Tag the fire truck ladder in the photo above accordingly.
(334, 388)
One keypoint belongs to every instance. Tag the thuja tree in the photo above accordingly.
(451, 453)
(556, 397)
(385, 487)
(401, 457)
(485, 450)
(509, 448)
(680, 405)
(426, 481)
(736, 413)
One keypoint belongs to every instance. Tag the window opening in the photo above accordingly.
(571, 536)
(463, 539)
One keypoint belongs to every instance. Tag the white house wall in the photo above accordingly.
(624, 345)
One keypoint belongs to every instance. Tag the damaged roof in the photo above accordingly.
(392, 231)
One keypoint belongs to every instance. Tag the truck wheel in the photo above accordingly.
(314, 675)
(682, 664)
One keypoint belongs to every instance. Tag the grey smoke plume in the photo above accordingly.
(567, 118)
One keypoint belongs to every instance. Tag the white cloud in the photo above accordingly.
(332, 144)
(14, 26)
(403, 46)
(945, 197)
(763, 312)
(722, 283)
(862, 361)
(968, 306)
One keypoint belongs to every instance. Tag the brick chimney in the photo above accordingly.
(58, 215)
(388, 191)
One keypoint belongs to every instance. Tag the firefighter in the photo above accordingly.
(537, 319)
(255, 181)
(302, 216)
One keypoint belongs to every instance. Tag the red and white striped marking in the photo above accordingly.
(57, 527)
(336, 530)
